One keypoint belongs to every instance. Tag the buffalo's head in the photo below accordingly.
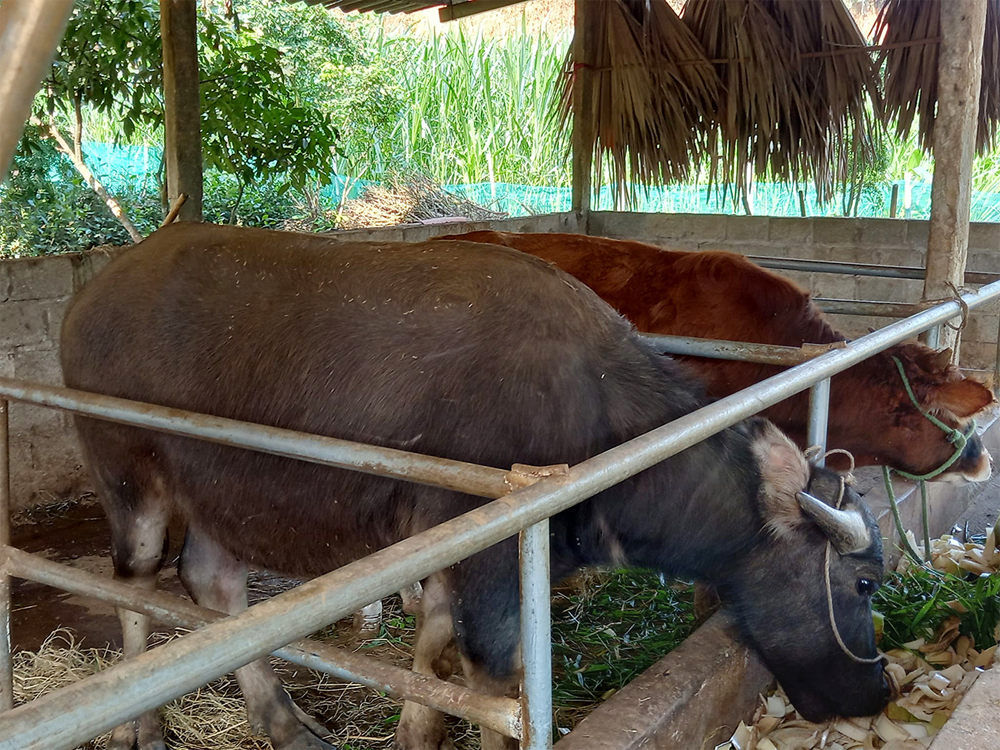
(781, 597)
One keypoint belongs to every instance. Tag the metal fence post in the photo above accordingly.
(996, 363)
(6, 664)
(819, 416)
(536, 638)
(934, 337)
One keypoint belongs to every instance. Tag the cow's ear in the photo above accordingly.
(963, 398)
(784, 472)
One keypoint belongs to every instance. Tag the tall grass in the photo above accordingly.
(476, 109)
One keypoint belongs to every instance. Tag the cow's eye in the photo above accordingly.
(867, 587)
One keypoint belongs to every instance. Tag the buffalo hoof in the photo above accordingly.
(143, 734)
(299, 732)
(303, 740)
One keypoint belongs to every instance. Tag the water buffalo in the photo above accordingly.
(481, 354)
(723, 295)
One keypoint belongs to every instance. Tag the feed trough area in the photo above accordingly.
(952, 606)
(607, 628)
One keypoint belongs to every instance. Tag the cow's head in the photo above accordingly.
(779, 593)
(874, 393)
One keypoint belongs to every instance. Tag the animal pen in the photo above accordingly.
(220, 644)
(78, 712)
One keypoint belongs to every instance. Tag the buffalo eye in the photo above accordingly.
(866, 586)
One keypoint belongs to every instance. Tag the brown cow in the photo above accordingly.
(721, 295)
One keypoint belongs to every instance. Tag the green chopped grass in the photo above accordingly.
(607, 629)
(916, 602)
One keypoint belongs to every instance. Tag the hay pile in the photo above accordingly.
(932, 676)
(408, 201)
(214, 717)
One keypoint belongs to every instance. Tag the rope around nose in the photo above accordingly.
(829, 599)
(959, 439)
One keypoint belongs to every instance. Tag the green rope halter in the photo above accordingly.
(957, 437)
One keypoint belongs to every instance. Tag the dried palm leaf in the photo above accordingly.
(652, 90)
(799, 82)
(910, 30)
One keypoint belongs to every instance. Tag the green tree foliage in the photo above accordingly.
(255, 124)
(348, 68)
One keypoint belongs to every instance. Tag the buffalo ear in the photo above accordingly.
(783, 473)
(963, 398)
(941, 359)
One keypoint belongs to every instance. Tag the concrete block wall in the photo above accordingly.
(46, 464)
(34, 293)
(891, 242)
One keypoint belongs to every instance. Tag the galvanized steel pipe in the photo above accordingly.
(345, 454)
(859, 269)
(864, 307)
(536, 637)
(819, 416)
(76, 713)
(743, 351)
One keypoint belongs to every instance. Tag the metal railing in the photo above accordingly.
(73, 714)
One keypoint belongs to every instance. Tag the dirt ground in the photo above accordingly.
(77, 533)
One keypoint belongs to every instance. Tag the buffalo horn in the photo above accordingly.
(846, 529)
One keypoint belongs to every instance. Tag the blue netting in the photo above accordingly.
(125, 168)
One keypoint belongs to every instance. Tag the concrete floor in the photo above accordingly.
(982, 513)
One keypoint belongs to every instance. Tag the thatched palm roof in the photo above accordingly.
(789, 90)
(796, 93)
(911, 70)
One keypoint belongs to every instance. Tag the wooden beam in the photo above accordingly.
(583, 155)
(182, 105)
(30, 32)
(960, 65)
(465, 8)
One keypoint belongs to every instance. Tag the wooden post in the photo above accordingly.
(960, 65)
(583, 156)
(182, 108)
(30, 32)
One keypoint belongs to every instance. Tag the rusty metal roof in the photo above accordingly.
(450, 10)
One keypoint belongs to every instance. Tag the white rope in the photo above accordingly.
(829, 596)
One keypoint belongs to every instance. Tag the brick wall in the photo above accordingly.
(881, 241)
(45, 460)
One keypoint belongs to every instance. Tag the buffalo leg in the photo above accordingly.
(420, 727)
(215, 579)
(480, 681)
(368, 620)
(139, 533)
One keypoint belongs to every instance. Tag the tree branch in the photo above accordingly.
(78, 132)
(96, 186)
